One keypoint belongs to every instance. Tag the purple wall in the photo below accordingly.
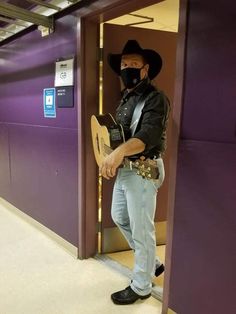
(203, 276)
(38, 160)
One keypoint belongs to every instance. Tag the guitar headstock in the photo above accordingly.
(146, 168)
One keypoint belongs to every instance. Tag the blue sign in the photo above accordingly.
(49, 103)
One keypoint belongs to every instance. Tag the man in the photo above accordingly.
(134, 197)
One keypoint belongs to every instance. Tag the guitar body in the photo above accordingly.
(106, 136)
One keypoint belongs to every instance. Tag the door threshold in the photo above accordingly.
(157, 291)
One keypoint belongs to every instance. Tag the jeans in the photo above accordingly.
(133, 211)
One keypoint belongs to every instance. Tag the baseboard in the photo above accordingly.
(70, 248)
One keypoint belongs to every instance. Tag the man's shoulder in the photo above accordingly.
(155, 93)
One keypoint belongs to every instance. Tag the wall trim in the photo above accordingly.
(174, 135)
(67, 246)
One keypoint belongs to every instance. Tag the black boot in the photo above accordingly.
(159, 270)
(127, 296)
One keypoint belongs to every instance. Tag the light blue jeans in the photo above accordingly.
(133, 211)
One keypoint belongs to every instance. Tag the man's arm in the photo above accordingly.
(111, 163)
(154, 119)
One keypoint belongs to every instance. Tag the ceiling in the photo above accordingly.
(17, 15)
(161, 16)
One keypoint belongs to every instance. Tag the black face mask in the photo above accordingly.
(130, 77)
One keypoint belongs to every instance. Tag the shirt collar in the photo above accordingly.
(141, 87)
(138, 90)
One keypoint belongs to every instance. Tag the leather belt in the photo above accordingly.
(146, 157)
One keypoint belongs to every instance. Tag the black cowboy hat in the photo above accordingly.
(132, 47)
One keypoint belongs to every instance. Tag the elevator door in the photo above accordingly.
(114, 39)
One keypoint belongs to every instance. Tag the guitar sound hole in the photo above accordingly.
(97, 141)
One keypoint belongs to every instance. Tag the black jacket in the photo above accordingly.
(152, 125)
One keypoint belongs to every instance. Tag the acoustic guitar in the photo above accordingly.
(107, 135)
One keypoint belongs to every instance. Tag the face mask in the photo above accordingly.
(130, 77)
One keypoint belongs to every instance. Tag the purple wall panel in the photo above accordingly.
(42, 176)
(203, 263)
(38, 163)
(210, 93)
(203, 278)
(27, 67)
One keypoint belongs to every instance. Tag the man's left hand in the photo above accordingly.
(111, 163)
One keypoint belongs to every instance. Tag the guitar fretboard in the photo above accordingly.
(108, 150)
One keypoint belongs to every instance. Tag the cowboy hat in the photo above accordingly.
(132, 47)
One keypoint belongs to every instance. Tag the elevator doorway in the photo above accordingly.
(161, 36)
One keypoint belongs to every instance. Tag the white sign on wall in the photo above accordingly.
(64, 75)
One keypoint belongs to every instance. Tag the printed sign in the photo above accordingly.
(49, 103)
(65, 97)
(64, 73)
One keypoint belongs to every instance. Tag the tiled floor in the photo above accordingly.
(39, 277)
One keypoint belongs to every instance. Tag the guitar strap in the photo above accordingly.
(137, 113)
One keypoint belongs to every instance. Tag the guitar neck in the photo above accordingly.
(108, 150)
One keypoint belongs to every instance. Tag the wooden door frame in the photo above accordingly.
(89, 19)
(174, 143)
(88, 38)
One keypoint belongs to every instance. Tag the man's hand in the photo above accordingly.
(111, 163)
